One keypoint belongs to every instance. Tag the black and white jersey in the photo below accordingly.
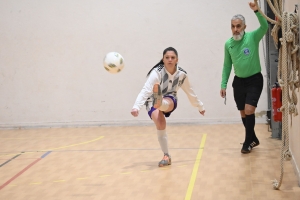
(169, 84)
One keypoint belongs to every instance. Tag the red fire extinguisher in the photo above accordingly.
(276, 102)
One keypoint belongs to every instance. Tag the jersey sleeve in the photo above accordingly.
(227, 66)
(147, 90)
(262, 30)
(194, 100)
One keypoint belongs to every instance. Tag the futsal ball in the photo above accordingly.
(113, 62)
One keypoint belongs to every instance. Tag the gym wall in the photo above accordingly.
(51, 54)
(294, 125)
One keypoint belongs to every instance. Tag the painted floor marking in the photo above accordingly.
(23, 170)
(62, 147)
(195, 169)
(10, 160)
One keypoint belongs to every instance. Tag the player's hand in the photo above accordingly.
(202, 112)
(253, 6)
(135, 112)
(223, 93)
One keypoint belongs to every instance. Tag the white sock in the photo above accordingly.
(164, 105)
(163, 140)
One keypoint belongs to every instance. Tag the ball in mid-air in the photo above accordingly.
(113, 62)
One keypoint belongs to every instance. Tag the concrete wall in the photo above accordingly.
(51, 53)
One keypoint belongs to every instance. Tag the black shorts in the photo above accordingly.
(247, 90)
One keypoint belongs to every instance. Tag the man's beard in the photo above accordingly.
(239, 36)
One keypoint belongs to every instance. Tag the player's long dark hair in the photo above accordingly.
(161, 61)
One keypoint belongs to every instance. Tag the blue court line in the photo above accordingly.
(46, 154)
(25, 169)
(43, 156)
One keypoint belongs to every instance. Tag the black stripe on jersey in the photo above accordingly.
(183, 80)
(159, 67)
(179, 68)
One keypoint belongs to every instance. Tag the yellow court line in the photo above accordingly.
(72, 145)
(104, 176)
(38, 183)
(62, 147)
(83, 178)
(195, 169)
(126, 173)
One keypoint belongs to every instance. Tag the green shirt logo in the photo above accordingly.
(246, 51)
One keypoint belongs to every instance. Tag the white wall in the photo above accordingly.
(294, 124)
(51, 54)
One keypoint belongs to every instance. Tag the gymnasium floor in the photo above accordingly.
(116, 163)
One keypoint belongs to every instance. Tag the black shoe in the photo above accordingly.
(254, 144)
(246, 149)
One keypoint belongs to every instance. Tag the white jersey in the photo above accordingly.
(169, 84)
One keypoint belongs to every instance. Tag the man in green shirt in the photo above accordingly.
(242, 52)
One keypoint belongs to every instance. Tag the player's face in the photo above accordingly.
(170, 59)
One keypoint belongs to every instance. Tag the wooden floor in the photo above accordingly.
(116, 163)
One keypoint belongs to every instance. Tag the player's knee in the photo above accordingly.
(159, 120)
(249, 110)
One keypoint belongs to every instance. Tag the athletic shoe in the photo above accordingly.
(246, 148)
(166, 160)
(157, 96)
(254, 144)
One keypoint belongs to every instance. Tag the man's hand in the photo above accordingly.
(253, 6)
(223, 93)
(202, 112)
(135, 112)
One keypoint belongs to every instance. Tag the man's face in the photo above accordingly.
(237, 28)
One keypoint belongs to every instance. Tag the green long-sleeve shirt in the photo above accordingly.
(244, 54)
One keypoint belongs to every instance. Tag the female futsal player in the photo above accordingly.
(159, 94)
